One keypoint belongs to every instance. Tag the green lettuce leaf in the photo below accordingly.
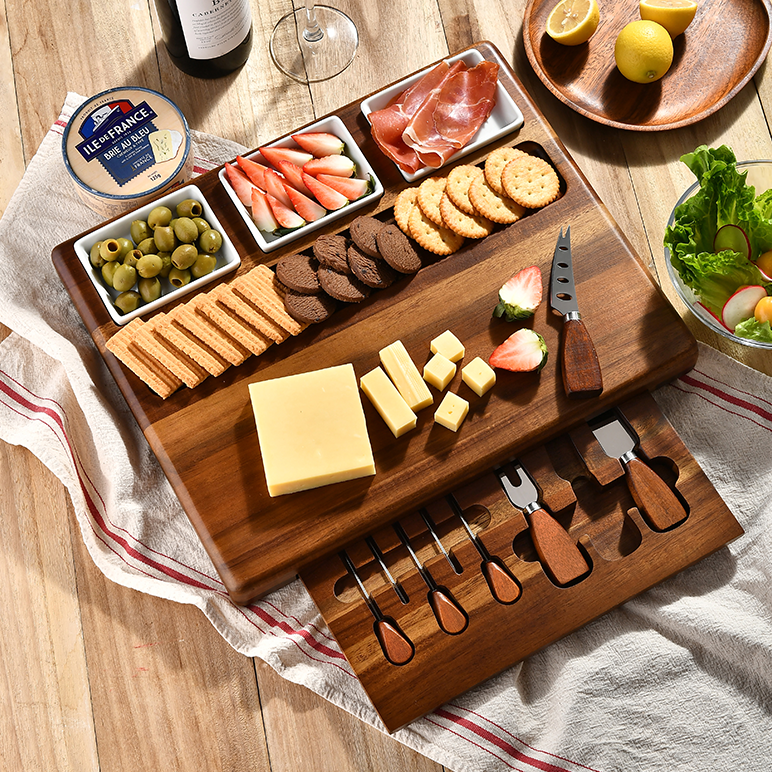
(750, 328)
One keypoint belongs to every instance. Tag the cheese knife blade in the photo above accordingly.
(429, 523)
(378, 555)
(578, 359)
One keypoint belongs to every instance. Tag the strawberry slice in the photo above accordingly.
(351, 187)
(286, 217)
(330, 199)
(294, 176)
(274, 184)
(521, 352)
(253, 170)
(240, 183)
(339, 165)
(521, 295)
(307, 208)
(320, 143)
(275, 154)
(262, 213)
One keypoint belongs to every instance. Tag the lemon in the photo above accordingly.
(572, 22)
(674, 15)
(643, 51)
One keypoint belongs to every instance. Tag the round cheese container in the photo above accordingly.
(125, 147)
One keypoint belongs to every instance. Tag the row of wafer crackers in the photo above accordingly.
(207, 334)
(470, 201)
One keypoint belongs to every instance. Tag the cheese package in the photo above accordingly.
(403, 372)
(388, 402)
(311, 429)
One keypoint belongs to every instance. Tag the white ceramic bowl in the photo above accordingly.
(334, 125)
(504, 117)
(760, 176)
(227, 258)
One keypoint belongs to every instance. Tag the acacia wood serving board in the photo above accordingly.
(205, 438)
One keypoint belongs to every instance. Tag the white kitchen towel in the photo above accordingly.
(679, 678)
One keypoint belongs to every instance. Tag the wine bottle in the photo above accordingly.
(206, 38)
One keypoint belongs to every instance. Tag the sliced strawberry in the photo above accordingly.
(339, 165)
(330, 199)
(240, 184)
(521, 295)
(286, 217)
(253, 170)
(274, 184)
(320, 143)
(294, 176)
(351, 187)
(307, 208)
(521, 352)
(275, 154)
(262, 213)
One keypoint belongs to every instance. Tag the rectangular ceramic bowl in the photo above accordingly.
(504, 117)
(227, 258)
(334, 125)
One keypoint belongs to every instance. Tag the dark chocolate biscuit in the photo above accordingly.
(363, 231)
(372, 271)
(330, 250)
(309, 309)
(342, 286)
(299, 272)
(397, 249)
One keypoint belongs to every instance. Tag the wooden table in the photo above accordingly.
(107, 678)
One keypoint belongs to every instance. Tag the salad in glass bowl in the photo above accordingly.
(718, 245)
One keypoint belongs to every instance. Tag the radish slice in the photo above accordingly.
(706, 310)
(732, 237)
(741, 305)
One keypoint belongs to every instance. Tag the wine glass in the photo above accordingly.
(313, 43)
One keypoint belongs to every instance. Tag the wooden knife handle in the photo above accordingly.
(503, 586)
(559, 555)
(653, 496)
(397, 647)
(579, 361)
(449, 615)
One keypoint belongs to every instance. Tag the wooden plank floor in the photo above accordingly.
(106, 678)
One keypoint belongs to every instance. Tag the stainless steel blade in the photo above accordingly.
(562, 286)
(612, 435)
(524, 493)
(425, 575)
(429, 523)
(378, 555)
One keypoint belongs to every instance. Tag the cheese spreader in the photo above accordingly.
(654, 498)
(560, 557)
(578, 359)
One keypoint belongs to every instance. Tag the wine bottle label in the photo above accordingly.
(212, 28)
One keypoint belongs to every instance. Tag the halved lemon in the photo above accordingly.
(674, 15)
(572, 22)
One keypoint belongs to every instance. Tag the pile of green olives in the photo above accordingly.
(178, 246)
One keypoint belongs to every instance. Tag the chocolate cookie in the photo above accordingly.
(299, 272)
(372, 271)
(309, 309)
(397, 250)
(330, 250)
(342, 286)
(363, 231)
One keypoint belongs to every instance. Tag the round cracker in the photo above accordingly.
(492, 205)
(457, 188)
(432, 237)
(406, 201)
(495, 163)
(471, 226)
(530, 182)
(429, 196)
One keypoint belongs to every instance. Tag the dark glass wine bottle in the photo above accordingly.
(206, 38)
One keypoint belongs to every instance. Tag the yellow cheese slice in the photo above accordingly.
(403, 372)
(479, 376)
(388, 402)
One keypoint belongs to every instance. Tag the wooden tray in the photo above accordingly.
(205, 438)
(732, 35)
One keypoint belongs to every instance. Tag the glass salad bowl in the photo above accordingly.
(760, 177)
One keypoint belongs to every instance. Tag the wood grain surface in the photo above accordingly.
(82, 686)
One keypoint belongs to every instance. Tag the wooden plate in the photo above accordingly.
(716, 56)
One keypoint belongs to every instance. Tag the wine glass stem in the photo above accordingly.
(313, 32)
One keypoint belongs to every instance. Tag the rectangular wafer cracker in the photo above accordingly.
(196, 349)
(259, 287)
(211, 334)
(227, 296)
(236, 327)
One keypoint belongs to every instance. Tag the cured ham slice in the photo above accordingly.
(452, 114)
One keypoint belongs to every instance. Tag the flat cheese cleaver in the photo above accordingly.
(652, 495)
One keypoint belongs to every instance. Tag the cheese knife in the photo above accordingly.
(378, 555)
(578, 359)
(560, 557)
(654, 498)
(429, 523)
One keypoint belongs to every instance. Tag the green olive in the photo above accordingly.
(108, 269)
(95, 256)
(204, 265)
(189, 208)
(126, 246)
(184, 256)
(124, 278)
(201, 224)
(179, 277)
(160, 215)
(110, 249)
(139, 231)
(132, 258)
(164, 238)
(210, 241)
(149, 289)
(127, 302)
(147, 246)
(185, 230)
(149, 266)
(166, 264)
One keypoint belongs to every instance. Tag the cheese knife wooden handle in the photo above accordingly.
(559, 554)
(394, 643)
(653, 496)
(579, 361)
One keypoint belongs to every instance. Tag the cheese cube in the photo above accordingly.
(388, 402)
(311, 428)
(452, 411)
(403, 372)
(479, 376)
(448, 345)
(439, 371)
